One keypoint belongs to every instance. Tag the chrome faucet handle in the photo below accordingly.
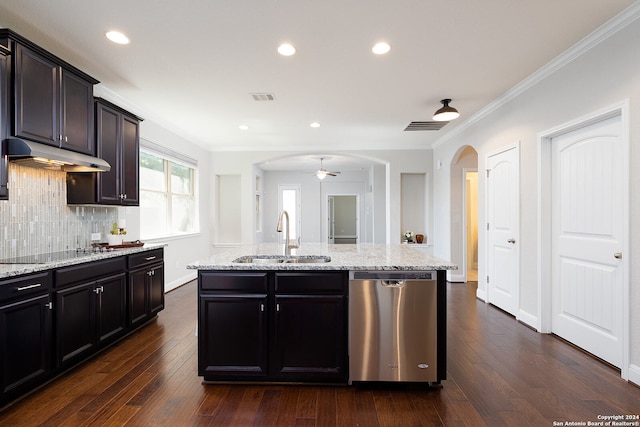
(295, 245)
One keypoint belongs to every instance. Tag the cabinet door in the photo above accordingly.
(130, 161)
(309, 338)
(4, 122)
(138, 297)
(156, 290)
(232, 337)
(37, 97)
(75, 321)
(25, 340)
(107, 137)
(112, 308)
(77, 114)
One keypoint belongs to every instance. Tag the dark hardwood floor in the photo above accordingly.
(500, 373)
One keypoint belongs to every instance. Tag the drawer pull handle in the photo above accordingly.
(24, 288)
(149, 258)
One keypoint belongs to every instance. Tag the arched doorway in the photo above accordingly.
(464, 214)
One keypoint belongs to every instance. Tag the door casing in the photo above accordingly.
(545, 219)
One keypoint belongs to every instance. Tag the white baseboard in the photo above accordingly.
(634, 374)
(181, 281)
(481, 294)
(528, 319)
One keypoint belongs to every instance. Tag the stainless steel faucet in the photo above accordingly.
(288, 245)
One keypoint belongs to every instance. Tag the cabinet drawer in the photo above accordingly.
(88, 271)
(146, 258)
(316, 282)
(233, 282)
(25, 286)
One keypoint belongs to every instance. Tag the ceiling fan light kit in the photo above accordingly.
(446, 113)
(322, 173)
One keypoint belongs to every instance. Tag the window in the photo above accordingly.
(168, 202)
(289, 200)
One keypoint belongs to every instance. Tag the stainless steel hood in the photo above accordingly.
(35, 154)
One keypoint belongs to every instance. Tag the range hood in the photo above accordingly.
(35, 154)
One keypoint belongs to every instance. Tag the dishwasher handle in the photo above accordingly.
(392, 283)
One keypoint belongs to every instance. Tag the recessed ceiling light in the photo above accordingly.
(286, 49)
(381, 48)
(117, 37)
(243, 127)
(315, 125)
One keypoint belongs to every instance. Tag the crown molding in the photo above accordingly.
(602, 33)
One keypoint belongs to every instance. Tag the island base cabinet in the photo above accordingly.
(25, 332)
(233, 344)
(310, 338)
(268, 326)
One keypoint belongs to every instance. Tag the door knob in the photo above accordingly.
(617, 255)
(511, 241)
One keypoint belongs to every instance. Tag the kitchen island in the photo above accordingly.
(266, 317)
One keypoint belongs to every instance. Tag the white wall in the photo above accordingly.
(603, 76)
(385, 204)
(179, 251)
(313, 195)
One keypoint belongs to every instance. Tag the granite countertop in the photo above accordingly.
(364, 256)
(10, 270)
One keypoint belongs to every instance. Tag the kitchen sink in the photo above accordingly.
(280, 259)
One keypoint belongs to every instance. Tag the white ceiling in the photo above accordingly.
(192, 65)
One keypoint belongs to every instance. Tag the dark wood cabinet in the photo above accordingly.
(53, 104)
(89, 313)
(310, 337)
(117, 142)
(146, 286)
(26, 335)
(233, 326)
(77, 115)
(310, 333)
(4, 120)
(238, 349)
(272, 326)
(51, 321)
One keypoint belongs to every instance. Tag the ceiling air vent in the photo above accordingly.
(262, 96)
(425, 126)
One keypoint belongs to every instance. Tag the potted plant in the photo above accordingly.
(114, 238)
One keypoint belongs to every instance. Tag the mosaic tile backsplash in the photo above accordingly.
(36, 218)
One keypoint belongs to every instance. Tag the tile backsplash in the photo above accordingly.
(36, 218)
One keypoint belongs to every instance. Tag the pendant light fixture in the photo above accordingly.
(446, 113)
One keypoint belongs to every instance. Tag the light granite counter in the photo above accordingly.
(10, 270)
(364, 256)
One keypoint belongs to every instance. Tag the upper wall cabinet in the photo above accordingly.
(4, 120)
(52, 100)
(117, 142)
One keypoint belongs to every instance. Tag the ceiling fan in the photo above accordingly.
(322, 173)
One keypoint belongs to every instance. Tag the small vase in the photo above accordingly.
(419, 238)
(114, 239)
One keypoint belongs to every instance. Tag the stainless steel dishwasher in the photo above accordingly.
(393, 326)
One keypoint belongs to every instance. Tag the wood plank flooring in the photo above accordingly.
(500, 373)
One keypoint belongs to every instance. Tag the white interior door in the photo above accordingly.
(503, 215)
(587, 238)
